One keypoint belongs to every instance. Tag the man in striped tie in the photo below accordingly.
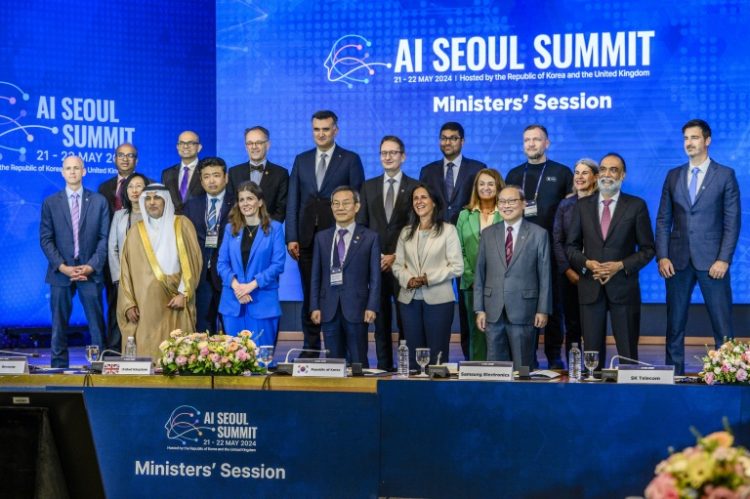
(609, 242)
(73, 235)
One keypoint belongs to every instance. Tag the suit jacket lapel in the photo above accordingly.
(623, 203)
(333, 163)
(257, 241)
(65, 208)
(500, 241)
(403, 195)
(460, 179)
(474, 224)
(380, 202)
(682, 183)
(519, 243)
(85, 195)
(354, 245)
(710, 176)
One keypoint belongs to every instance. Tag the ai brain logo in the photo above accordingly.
(347, 62)
(184, 425)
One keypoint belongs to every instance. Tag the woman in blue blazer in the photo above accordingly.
(251, 258)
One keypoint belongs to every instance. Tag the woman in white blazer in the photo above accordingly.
(428, 258)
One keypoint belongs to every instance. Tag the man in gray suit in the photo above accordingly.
(512, 293)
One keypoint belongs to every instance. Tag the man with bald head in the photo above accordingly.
(73, 235)
(182, 179)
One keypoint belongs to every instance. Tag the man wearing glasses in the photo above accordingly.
(386, 204)
(126, 159)
(180, 179)
(452, 178)
(512, 295)
(272, 179)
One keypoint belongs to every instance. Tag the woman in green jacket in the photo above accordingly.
(481, 212)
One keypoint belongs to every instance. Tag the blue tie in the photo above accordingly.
(449, 182)
(341, 247)
(694, 184)
(212, 215)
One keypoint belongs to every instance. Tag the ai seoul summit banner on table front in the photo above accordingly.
(601, 76)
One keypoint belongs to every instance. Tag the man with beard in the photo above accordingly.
(161, 264)
(545, 183)
(609, 242)
(181, 179)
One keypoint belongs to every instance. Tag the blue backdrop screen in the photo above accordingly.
(80, 78)
(601, 76)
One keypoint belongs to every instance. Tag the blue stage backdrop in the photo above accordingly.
(79, 78)
(601, 76)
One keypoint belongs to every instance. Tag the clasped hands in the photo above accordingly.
(78, 272)
(603, 272)
(417, 282)
(242, 291)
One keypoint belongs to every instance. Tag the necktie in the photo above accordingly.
(184, 183)
(509, 246)
(320, 171)
(118, 194)
(75, 215)
(606, 217)
(449, 182)
(212, 215)
(389, 195)
(694, 184)
(341, 246)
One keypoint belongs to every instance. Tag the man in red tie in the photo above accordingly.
(512, 293)
(609, 242)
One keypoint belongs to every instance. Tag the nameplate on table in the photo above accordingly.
(14, 365)
(139, 366)
(645, 375)
(486, 370)
(320, 368)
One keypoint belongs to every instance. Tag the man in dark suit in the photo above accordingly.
(452, 178)
(609, 242)
(345, 289)
(697, 228)
(272, 179)
(512, 295)
(181, 179)
(73, 235)
(386, 204)
(315, 174)
(545, 183)
(209, 214)
(126, 160)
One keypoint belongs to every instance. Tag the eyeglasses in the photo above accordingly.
(257, 143)
(190, 143)
(342, 204)
(454, 138)
(508, 202)
(123, 155)
(390, 154)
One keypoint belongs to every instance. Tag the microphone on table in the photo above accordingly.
(287, 367)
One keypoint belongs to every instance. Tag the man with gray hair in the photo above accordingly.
(160, 266)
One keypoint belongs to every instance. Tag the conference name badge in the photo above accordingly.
(530, 210)
(489, 370)
(645, 375)
(337, 276)
(212, 239)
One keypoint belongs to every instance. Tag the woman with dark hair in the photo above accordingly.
(584, 184)
(480, 213)
(251, 259)
(428, 258)
(129, 215)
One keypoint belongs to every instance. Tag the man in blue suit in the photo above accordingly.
(73, 235)
(209, 216)
(315, 175)
(697, 228)
(345, 290)
(452, 178)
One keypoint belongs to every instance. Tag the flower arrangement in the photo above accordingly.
(199, 353)
(729, 364)
(711, 469)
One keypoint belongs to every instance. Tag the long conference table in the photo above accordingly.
(281, 436)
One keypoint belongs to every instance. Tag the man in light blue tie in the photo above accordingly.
(73, 235)
(209, 214)
(697, 229)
